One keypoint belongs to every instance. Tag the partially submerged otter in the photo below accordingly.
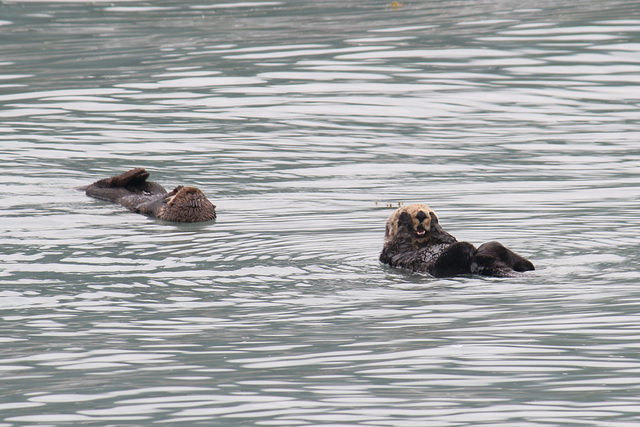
(132, 190)
(414, 240)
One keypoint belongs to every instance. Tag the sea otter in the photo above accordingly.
(414, 240)
(132, 190)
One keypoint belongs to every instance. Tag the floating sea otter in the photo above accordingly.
(132, 190)
(414, 240)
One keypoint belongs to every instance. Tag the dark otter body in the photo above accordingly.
(414, 240)
(132, 190)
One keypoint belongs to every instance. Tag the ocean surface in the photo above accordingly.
(307, 123)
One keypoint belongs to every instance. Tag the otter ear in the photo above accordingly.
(437, 233)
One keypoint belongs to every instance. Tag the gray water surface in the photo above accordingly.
(303, 121)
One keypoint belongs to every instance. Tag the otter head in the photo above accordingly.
(417, 224)
(187, 204)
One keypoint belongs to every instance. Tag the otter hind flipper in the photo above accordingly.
(132, 182)
(134, 178)
(494, 259)
(135, 181)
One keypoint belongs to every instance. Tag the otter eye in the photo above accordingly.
(421, 216)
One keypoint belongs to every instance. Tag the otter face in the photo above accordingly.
(413, 219)
(188, 204)
(416, 219)
(417, 223)
(187, 197)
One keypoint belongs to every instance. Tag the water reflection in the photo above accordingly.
(302, 122)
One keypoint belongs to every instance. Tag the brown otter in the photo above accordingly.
(414, 240)
(132, 190)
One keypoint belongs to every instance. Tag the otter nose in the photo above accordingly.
(421, 216)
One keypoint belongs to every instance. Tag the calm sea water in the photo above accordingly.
(303, 121)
